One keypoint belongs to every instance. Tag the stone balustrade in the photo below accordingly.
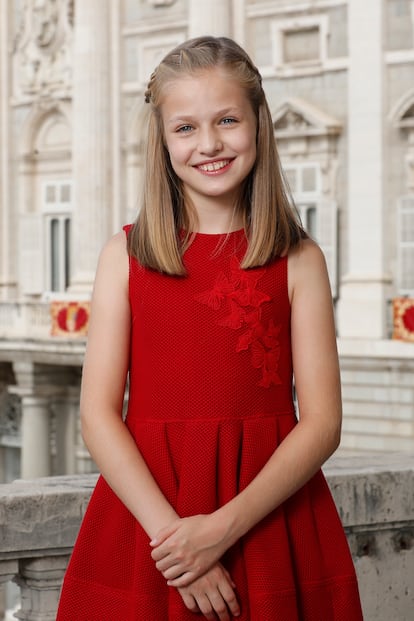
(28, 319)
(374, 494)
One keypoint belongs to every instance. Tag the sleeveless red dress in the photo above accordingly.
(210, 401)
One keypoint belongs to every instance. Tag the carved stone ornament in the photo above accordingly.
(296, 117)
(292, 120)
(409, 164)
(43, 48)
(402, 117)
(10, 415)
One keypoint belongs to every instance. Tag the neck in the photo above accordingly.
(214, 218)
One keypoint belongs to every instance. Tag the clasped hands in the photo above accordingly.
(187, 548)
(187, 553)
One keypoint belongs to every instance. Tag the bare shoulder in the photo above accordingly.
(113, 260)
(307, 254)
(306, 265)
(110, 298)
(115, 248)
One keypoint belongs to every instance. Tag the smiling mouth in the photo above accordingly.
(212, 167)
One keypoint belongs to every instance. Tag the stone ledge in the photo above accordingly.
(375, 348)
(50, 350)
(40, 518)
(45, 513)
(372, 489)
(40, 514)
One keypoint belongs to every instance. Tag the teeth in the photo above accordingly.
(212, 166)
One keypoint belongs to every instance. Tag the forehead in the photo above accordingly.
(211, 87)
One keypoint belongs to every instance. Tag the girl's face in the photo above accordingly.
(210, 133)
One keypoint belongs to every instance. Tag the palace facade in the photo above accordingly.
(339, 76)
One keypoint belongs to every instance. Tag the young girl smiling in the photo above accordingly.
(211, 499)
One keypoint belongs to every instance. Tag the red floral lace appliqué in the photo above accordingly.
(243, 301)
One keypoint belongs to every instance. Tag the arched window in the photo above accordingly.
(45, 204)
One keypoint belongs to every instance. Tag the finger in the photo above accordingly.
(229, 578)
(183, 579)
(229, 596)
(163, 534)
(169, 563)
(157, 554)
(226, 586)
(190, 602)
(219, 605)
(205, 607)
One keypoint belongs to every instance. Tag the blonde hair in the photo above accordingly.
(270, 221)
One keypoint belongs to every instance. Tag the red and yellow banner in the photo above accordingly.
(69, 318)
(403, 315)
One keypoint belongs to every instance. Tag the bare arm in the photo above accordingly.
(103, 384)
(108, 438)
(317, 382)
(200, 539)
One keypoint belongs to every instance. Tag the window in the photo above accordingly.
(300, 42)
(319, 214)
(57, 224)
(59, 260)
(304, 180)
(308, 217)
(301, 45)
(406, 246)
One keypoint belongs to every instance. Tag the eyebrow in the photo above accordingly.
(187, 118)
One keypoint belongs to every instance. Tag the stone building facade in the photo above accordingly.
(339, 76)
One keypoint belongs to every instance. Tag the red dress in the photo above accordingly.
(210, 401)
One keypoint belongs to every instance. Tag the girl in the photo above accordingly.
(211, 499)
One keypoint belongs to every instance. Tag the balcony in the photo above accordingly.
(18, 320)
(39, 520)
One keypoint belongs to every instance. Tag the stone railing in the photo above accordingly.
(29, 319)
(39, 520)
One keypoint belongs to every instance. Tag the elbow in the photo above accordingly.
(336, 441)
(88, 416)
(334, 438)
(84, 424)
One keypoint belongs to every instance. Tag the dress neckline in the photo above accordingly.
(218, 235)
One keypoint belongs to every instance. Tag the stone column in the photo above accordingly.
(35, 430)
(91, 140)
(39, 386)
(35, 422)
(209, 17)
(66, 410)
(7, 234)
(40, 581)
(239, 21)
(362, 304)
(8, 571)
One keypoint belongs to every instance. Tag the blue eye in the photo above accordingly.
(228, 121)
(184, 129)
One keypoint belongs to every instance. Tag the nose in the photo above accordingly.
(209, 141)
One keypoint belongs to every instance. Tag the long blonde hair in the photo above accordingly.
(270, 221)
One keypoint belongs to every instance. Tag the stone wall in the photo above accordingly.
(374, 497)
(378, 395)
(39, 520)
